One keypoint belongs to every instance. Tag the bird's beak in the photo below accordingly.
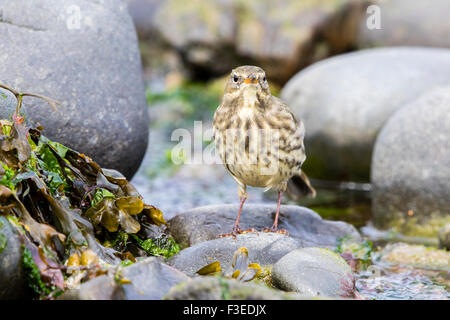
(251, 80)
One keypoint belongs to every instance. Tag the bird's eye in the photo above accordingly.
(264, 79)
(235, 78)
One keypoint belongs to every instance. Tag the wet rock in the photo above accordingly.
(212, 288)
(86, 56)
(263, 248)
(281, 38)
(410, 171)
(100, 288)
(344, 101)
(149, 279)
(314, 272)
(208, 222)
(12, 276)
(408, 22)
(8, 104)
(417, 256)
(444, 237)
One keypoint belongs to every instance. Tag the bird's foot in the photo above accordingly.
(248, 230)
(237, 231)
(275, 230)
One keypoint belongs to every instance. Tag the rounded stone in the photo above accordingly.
(314, 272)
(208, 222)
(263, 248)
(86, 56)
(213, 288)
(410, 167)
(149, 279)
(345, 100)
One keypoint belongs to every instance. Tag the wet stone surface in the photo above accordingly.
(208, 222)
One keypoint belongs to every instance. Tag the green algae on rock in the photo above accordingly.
(417, 256)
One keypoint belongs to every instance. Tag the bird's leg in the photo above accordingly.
(242, 192)
(275, 222)
(236, 228)
(274, 227)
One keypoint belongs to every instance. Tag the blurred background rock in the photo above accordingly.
(210, 38)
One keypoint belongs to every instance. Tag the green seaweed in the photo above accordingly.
(7, 178)
(3, 239)
(163, 246)
(126, 263)
(59, 148)
(360, 250)
(33, 275)
(49, 164)
(101, 193)
(119, 242)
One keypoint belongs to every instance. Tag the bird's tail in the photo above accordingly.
(299, 186)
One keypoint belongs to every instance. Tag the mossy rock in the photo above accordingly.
(218, 288)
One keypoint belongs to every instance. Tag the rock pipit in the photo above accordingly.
(259, 140)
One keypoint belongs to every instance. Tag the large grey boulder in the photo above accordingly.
(263, 248)
(408, 22)
(344, 101)
(12, 276)
(410, 167)
(314, 272)
(149, 279)
(208, 222)
(85, 55)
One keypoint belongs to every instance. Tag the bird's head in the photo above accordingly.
(247, 78)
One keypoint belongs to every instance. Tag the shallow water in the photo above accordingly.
(403, 284)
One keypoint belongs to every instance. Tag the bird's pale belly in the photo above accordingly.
(251, 175)
(264, 173)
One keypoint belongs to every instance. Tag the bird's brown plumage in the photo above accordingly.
(257, 136)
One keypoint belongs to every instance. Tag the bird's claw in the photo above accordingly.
(249, 230)
(237, 231)
(275, 230)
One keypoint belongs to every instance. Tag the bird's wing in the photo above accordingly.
(292, 131)
(219, 124)
(299, 184)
